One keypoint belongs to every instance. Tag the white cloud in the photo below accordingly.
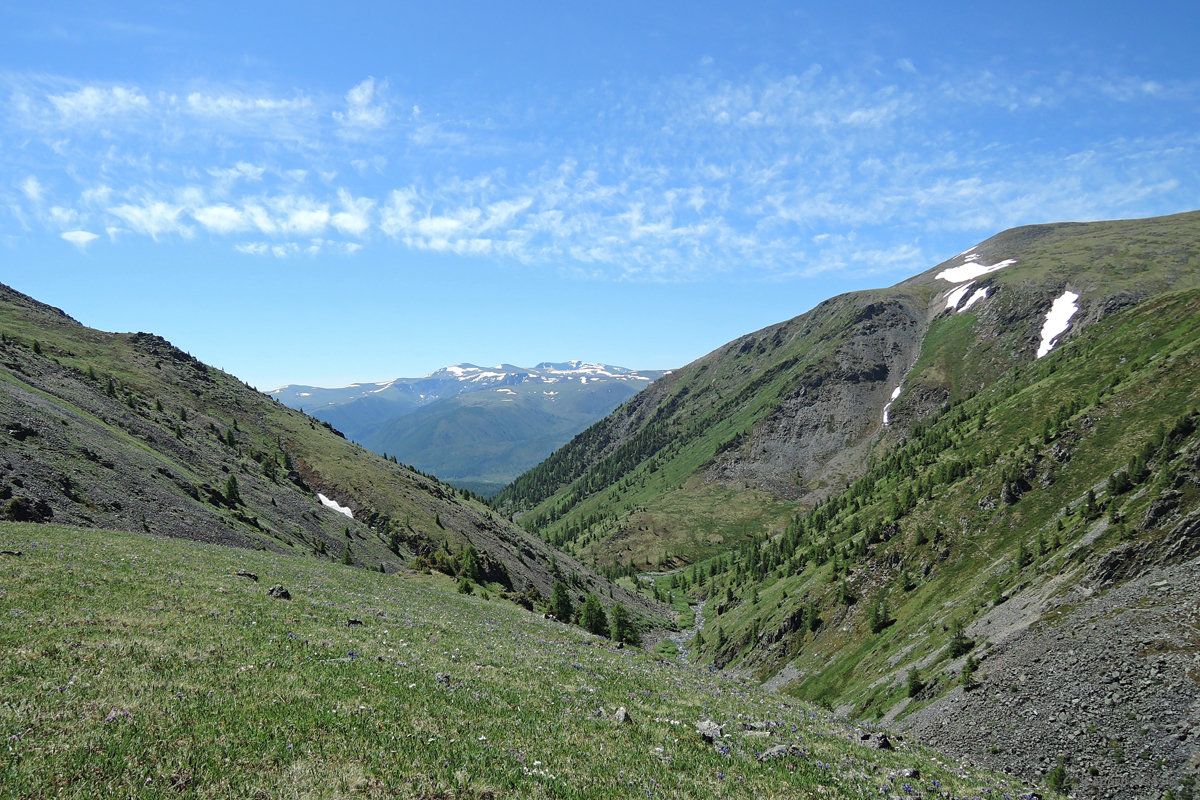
(300, 215)
(355, 217)
(669, 180)
(31, 187)
(80, 239)
(239, 171)
(94, 102)
(360, 114)
(239, 108)
(153, 218)
(221, 218)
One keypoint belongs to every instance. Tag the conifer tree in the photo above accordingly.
(560, 602)
(231, 491)
(623, 630)
(594, 619)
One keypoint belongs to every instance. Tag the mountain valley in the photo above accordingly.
(475, 427)
(965, 507)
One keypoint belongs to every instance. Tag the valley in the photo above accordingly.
(964, 508)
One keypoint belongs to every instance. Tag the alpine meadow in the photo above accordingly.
(942, 514)
(475, 400)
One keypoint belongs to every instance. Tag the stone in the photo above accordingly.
(876, 741)
(241, 573)
(622, 716)
(709, 730)
(778, 751)
(352, 622)
(279, 593)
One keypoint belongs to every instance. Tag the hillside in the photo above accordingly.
(721, 451)
(150, 667)
(125, 431)
(1019, 498)
(474, 427)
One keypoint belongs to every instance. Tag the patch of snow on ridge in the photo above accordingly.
(980, 294)
(1057, 320)
(955, 296)
(888, 405)
(972, 270)
(341, 509)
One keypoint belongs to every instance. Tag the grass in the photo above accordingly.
(1130, 373)
(144, 667)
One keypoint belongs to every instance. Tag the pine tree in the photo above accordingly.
(915, 684)
(347, 556)
(560, 602)
(231, 491)
(968, 673)
(594, 619)
(959, 643)
(622, 627)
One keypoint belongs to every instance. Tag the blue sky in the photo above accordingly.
(327, 193)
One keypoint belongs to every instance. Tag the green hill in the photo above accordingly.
(1046, 507)
(125, 431)
(147, 667)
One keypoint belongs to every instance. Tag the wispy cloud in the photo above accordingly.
(688, 176)
(362, 113)
(93, 103)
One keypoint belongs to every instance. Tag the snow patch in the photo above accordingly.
(955, 296)
(980, 294)
(972, 270)
(1057, 320)
(341, 509)
(306, 394)
(888, 405)
(506, 391)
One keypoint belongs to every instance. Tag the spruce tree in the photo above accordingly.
(560, 602)
(622, 627)
(231, 491)
(594, 619)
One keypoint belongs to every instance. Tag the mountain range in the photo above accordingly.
(965, 507)
(474, 427)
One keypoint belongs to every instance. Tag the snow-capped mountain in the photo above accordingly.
(455, 380)
(478, 427)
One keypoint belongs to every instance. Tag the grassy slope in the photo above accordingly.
(661, 504)
(151, 470)
(145, 667)
(1128, 375)
(684, 421)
